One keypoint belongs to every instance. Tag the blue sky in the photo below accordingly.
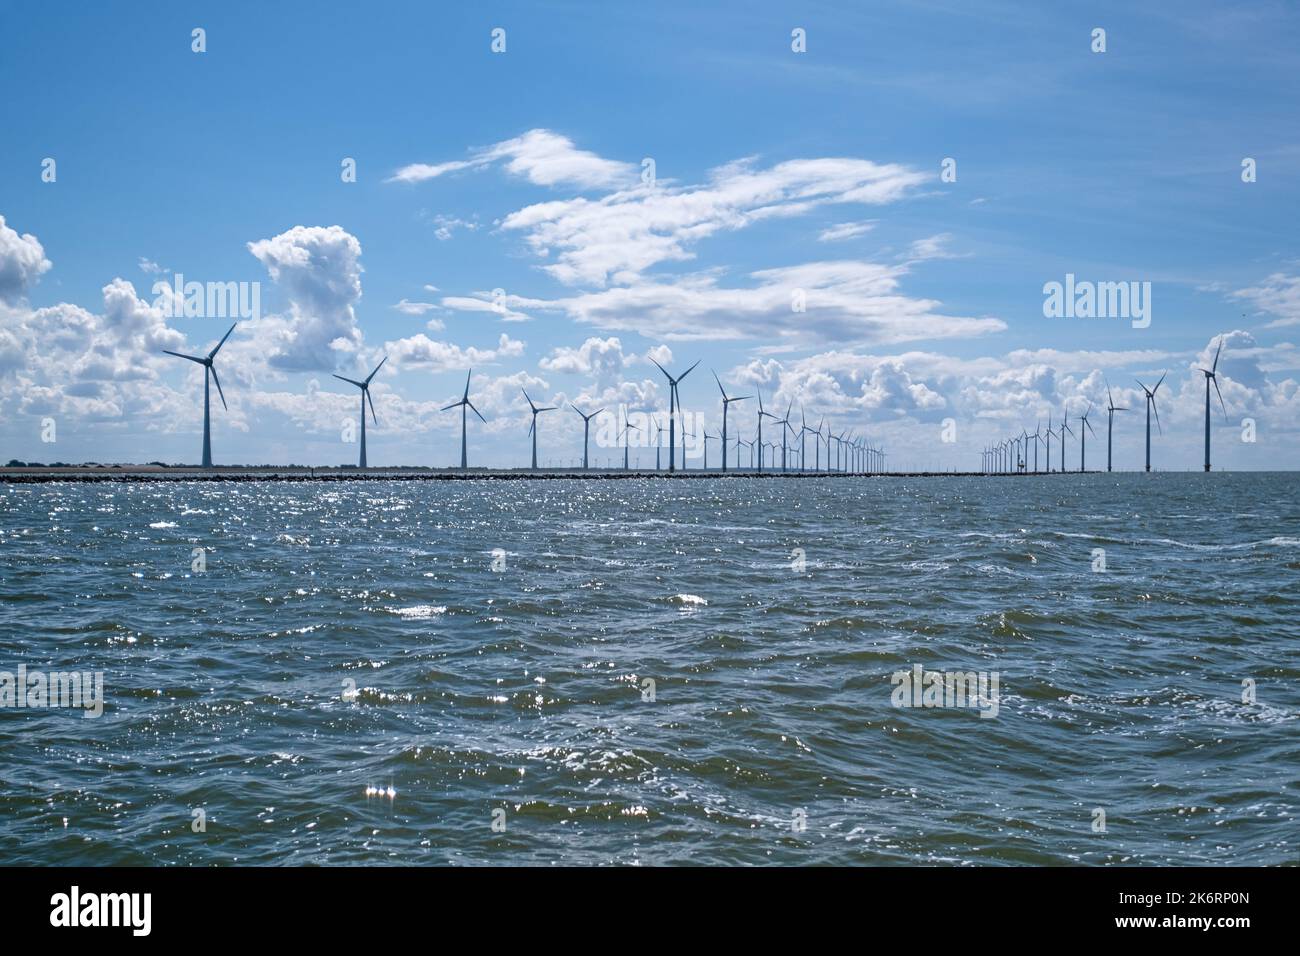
(522, 171)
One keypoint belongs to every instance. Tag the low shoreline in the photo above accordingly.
(20, 476)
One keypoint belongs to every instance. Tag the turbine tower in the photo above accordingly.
(1111, 409)
(464, 404)
(364, 385)
(209, 368)
(672, 410)
(726, 403)
(586, 429)
(1151, 404)
(532, 429)
(659, 441)
(1212, 376)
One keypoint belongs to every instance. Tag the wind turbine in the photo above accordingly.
(659, 441)
(208, 367)
(672, 410)
(365, 394)
(762, 413)
(1151, 404)
(803, 437)
(1048, 442)
(464, 404)
(586, 429)
(707, 436)
(1111, 409)
(726, 403)
(1083, 439)
(1211, 376)
(784, 423)
(627, 425)
(532, 429)
(1037, 436)
(1065, 427)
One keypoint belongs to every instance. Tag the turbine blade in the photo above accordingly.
(192, 358)
(350, 381)
(1215, 366)
(213, 370)
(1157, 411)
(688, 371)
(665, 371)
(467, 375)
(528, 400)
(376, 371)
(213, 353)
(1220, 394)
(1157, 388)
(453, 405)
(476, 411)
(720, 388)
(373, 416)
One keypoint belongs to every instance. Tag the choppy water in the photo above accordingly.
(522, 689)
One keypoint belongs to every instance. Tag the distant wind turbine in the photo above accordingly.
(463, 404)
(627, 426)
(1048, 442)
(532, 429)
(726, 403)
(1211, 375)
(1083, 439)
(1151, 405)
(586, 429)
(673, 401)
(364, 385)
(1065, 427)
(659, 441)
(209, 368)
(1111, 409)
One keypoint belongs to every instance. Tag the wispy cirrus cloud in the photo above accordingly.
(615, 238)
(1277, 295)
(543, 157)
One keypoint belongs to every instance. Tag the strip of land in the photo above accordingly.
(134, 473)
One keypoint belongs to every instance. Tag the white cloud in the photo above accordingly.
(319, 269)
(22, 262)
(419, 351)
(619, 236)
(1278, 295)
(407, 307)
(846, 230)
(543, 157)
(846, 301)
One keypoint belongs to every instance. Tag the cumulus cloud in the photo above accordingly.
(601, 358)
(419, 351)
(319, 270)
(22, 262)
